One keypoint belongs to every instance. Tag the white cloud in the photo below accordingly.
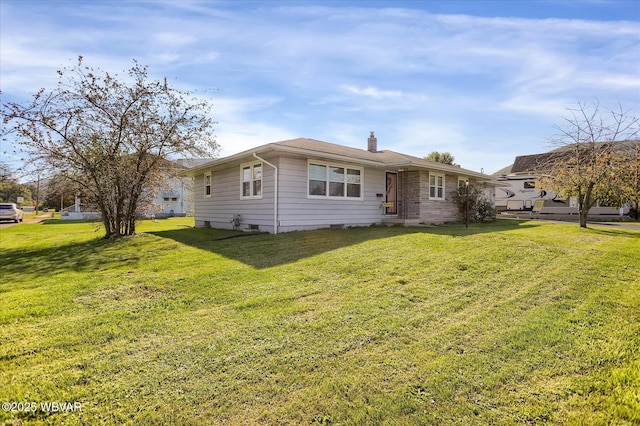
(238, 129)
(419, 137)
(531, 103)
(372, 92)
(173, 39)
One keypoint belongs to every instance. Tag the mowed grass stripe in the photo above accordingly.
(505, 323)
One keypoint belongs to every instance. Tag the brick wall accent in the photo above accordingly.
(414, 202)
(409, 195)
(439, 211)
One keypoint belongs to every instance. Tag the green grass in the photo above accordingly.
(508, 323)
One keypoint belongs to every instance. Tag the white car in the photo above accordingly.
(9, 211)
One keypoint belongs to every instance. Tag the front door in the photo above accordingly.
(391, 201)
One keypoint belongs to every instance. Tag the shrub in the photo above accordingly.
(481, 209)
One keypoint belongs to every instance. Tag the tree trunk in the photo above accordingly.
(107, 222)
(584, 213)
(585, 205)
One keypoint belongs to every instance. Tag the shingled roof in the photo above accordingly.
(537, 162)
(321, 149)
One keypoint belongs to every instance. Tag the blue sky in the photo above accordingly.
(484, 80)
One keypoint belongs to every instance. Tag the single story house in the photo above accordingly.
(304, 184)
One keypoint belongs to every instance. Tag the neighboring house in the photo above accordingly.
(303, 184)
(175, 197)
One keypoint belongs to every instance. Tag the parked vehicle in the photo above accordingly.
(10, 211)
(519, 192)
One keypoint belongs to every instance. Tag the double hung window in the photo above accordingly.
(251, 175)
(207, 185)
(436, 186)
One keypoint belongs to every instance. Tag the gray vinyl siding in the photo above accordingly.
(297, 211)
(225, 202)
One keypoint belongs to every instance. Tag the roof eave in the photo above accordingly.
(442, 168)
(279, 148)
(192, 172)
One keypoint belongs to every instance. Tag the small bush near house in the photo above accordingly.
(481, 209)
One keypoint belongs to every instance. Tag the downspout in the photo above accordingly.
(275, 195)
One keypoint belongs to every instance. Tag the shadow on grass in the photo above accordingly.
(616, 232)
(256, 250)
(56, 221)
(93, 255)
(264, 250)
(97, 222)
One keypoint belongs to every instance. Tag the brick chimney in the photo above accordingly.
(372, 143)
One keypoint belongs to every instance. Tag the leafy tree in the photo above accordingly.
(111, 134)
(441, 157)
(10, 189)
(629, 175)
(61, 192)
(589, 166)
(480, 208)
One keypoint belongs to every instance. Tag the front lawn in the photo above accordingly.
(508, 323)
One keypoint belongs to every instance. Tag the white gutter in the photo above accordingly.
(275, 195)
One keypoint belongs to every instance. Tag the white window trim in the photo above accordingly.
(251, 165)
(345, 166)
(205, 185)
(444, 180)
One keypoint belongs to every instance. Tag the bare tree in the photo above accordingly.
(111, 135)
(588, 164)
